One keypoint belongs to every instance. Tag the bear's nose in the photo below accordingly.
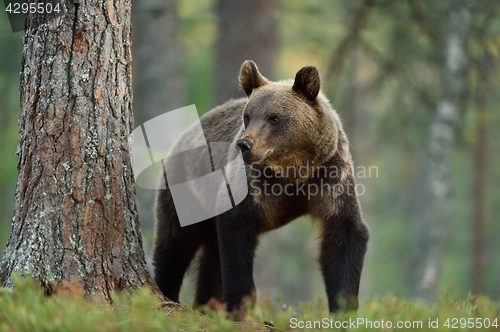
(244, 145)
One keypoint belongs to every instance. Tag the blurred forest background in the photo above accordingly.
(417, 86)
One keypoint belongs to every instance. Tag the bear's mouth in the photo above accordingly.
(249, 158)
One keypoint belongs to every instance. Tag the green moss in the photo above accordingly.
(26, 309)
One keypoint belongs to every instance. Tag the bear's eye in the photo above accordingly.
(246, 119)
(274, 119)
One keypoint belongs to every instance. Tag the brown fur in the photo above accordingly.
(289, 125)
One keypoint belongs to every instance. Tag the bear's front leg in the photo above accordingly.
(343, 247)
(237, 232)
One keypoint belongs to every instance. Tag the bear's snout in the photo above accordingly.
(245, 146)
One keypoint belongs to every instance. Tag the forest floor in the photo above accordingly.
(26, 309)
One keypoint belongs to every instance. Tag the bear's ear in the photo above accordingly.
(250, 77)
(307, 82)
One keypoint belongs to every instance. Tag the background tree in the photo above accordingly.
(479, 154)
(158, 84)
(75, 215)
(247, 31)
(438, 213)
(484, 65)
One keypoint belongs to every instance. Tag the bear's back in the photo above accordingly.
(222, 123)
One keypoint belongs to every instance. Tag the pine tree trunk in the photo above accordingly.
(438, 213)
(247, 31)
(75, 216)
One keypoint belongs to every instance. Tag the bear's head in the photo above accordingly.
(286, 124)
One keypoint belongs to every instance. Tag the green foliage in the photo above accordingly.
(26, 309)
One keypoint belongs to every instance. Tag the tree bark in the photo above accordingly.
(75, 216)
(247, 31)
(439, 148)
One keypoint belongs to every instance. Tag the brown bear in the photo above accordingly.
(297, 162)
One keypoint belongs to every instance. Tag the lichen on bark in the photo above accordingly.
(75, 215)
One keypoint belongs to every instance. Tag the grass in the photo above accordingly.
(26, 309)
